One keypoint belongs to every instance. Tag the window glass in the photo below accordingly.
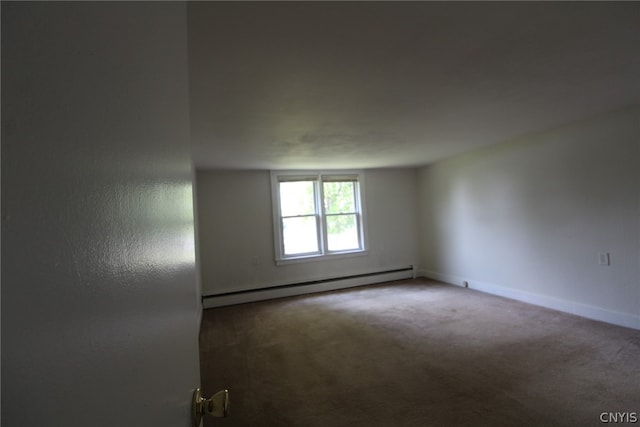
(317, 214)
(299, 235)
(339, 197)
(342, 232)
(297, 198)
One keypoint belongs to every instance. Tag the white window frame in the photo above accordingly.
(321, 223)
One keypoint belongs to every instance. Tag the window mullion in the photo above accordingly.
(357, 203)
(318, 219)
(323, 217)
(341, 213)
(297, 216)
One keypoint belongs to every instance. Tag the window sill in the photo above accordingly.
(318, 258)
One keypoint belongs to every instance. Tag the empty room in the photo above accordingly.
(312, 214)
(373, 179)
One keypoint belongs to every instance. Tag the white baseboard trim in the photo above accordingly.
(449, 279)
(289, 290)
(591, 312)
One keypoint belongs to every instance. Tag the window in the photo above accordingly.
(317, 214)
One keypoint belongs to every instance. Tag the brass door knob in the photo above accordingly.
(217, 405)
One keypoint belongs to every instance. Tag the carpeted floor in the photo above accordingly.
(415, 353)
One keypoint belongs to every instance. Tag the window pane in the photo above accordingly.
(299, 235)
(339, 197)
(297, 198)
(342, 232)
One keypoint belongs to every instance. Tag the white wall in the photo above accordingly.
(99, 299)
(236, 230)
(527, 219)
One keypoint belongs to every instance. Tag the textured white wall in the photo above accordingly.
(99, 299)
(526, 219)
(236, 230)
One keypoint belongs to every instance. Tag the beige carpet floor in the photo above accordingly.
(415, 353)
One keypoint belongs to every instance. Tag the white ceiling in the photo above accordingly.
(338, 85)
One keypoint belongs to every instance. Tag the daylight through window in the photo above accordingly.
(317, 214)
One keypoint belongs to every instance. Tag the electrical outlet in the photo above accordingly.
(603, 258)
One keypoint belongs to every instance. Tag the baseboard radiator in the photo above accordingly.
(307, 287)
